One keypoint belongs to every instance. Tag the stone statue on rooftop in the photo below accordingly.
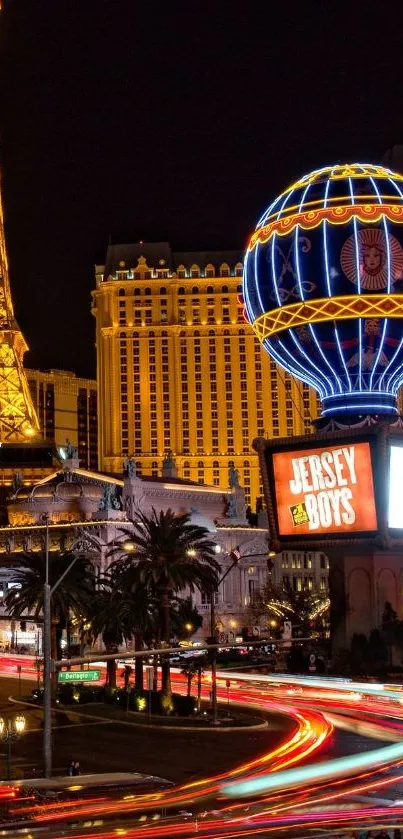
(129, 468)
(71, 451)
(109, 501)
(233, 477)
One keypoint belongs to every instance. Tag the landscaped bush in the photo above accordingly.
(78, 694)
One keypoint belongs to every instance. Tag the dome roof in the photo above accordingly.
(344, 185)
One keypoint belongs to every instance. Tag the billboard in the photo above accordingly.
(395, 506)
(325, 490)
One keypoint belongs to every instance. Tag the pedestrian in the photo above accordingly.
(76, 768)
(70, 768)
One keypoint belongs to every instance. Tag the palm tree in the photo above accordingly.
(188, 669)
(112, 617)
(185, 619)
(171, 554)
(71, 599)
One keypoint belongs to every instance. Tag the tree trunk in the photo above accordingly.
(165, 664)
(138, 662)
(190, 676)
(110, 680)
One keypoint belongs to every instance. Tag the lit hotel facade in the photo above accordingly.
(180, 370)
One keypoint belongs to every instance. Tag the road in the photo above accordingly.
(339, 764)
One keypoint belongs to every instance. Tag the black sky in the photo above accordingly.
(176, 121)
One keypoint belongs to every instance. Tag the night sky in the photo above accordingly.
(174, 121)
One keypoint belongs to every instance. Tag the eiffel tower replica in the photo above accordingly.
(18, 420)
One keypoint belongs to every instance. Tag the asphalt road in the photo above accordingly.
(121, 747)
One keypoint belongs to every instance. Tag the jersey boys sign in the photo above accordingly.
(325, 491)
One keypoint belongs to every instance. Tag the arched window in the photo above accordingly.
(210, 270)
(122, 292)
(195, 271)
(182, 334)
(182, 274)
(246, 464)
(163, 290)
(147, 291)
(196, 332)
(210, 289)
(164, 334)
(226, 332)
(224, 289)
(230, 463)
(186, 464)
(211, 332)
(137, 292)
(200, 464)
(195, 290)
(181, 290)
(224, 270)
(238, 269)
(135, 335)
(216, 464)
(241, 332)
(122, 335)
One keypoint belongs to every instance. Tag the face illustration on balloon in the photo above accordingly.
(372, 259)
(379, 260)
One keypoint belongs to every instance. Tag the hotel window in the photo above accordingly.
(323, 584)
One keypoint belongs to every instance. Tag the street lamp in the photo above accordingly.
(10, 730)
(235, 556)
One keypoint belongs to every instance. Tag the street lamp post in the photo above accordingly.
(48, 664)
(235, 556)
(11, 730)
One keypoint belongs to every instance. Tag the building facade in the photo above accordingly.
(66, 406)
(88, 512)
(179, 369)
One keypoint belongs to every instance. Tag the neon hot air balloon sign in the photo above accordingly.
(323, 286)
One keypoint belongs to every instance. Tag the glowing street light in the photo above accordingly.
(11, 729)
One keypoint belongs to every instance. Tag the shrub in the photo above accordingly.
(184, 706)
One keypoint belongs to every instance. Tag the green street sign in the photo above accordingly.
(79, 675)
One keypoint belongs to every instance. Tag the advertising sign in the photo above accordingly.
(325, 491)
(395, 506)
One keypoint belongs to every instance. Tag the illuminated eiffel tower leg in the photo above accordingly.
(18, 421)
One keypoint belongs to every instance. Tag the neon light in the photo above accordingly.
(381, 344)
(368, 213)
(346, 307)
(245, 290)
(312, 331)
(273, 269)
(370, 406)
(292, 368)
(332, 359)
(257, 282)
(309, 359)
(342, 357)
(389, 365)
